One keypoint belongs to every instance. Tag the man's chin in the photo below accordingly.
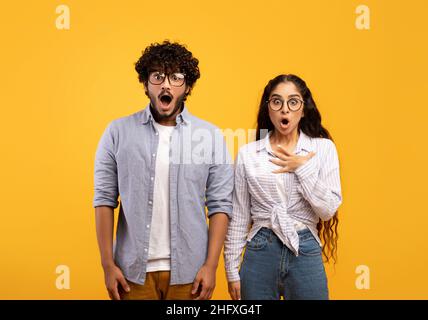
(163, 110)
(165, 113)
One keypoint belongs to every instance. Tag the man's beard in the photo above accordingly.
(179, 104)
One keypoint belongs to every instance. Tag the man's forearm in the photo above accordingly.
(217, 233)
(104, 220)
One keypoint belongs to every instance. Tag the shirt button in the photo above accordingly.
(153, 155)
(150, 202)
(157, 133)
(151, 178)
(145, 249)
(148, 226)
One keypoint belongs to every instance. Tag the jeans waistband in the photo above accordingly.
(305, 233)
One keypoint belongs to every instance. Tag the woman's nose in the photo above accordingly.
(285, 109)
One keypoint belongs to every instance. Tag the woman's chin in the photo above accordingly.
(283, 129)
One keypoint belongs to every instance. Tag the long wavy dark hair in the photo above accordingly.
(310, 124)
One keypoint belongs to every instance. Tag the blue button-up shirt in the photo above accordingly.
(201, 175)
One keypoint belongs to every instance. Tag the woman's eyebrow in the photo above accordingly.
(290, 96)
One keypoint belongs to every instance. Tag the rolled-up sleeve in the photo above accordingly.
(220, 179)
(105, 175)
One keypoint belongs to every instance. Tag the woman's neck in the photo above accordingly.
(288, 141)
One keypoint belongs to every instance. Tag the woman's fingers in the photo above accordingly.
(285, 152)
(235, 290)
(238, 293)
(282, 164)
(282, 170)
(310, 155)
(281, 156)
(278, 162)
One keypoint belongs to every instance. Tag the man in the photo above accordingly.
(151, 159)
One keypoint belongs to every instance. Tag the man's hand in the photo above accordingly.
(289, 161)
(205, 280)
(113, 279)
(235, 290)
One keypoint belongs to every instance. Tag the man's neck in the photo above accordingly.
(166, 121)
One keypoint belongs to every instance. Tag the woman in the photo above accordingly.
(287, 192)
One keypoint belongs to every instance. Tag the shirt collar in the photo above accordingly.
(304, 143)
(146, 115)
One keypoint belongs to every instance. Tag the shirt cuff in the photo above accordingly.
(107, 203)
(232, 276)
(220, 209)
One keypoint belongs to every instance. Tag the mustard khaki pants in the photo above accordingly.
(157, 287)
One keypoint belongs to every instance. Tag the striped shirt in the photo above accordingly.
(313, 192)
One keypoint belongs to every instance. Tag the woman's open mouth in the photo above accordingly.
(284, 123)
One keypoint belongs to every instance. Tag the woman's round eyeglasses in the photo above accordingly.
(276, 103)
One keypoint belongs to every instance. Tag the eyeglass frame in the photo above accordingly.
(165, 76)
(282, 103)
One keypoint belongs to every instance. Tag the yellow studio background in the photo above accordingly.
(60, 88)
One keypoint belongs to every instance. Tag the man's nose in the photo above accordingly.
(166, 84)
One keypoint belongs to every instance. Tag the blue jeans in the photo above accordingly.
(270, 270)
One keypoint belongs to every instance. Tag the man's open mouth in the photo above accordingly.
(165, 99)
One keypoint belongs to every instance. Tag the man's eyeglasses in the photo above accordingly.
(176, 79)
(276, 104)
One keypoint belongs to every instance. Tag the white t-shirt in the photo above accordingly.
(159, 246)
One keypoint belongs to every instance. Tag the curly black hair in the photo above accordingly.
(168, 57)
